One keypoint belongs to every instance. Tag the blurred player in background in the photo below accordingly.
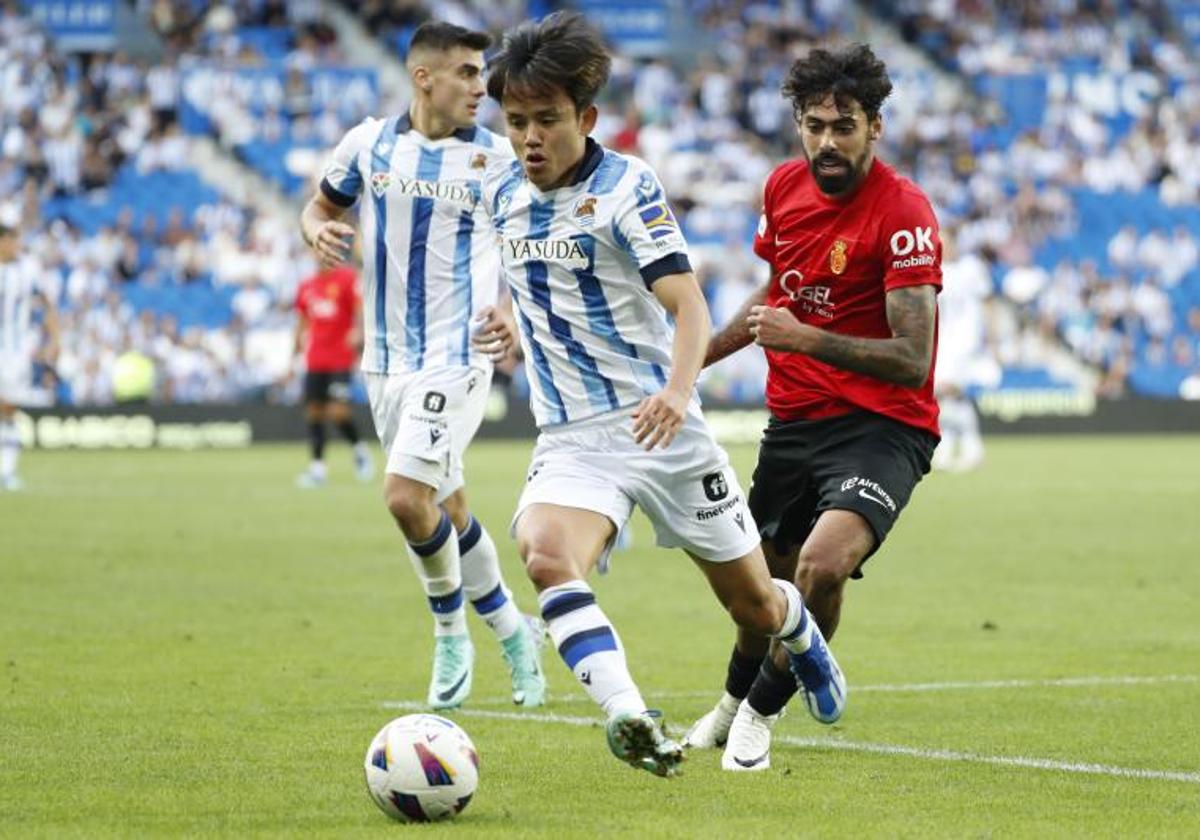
(20, 302)
(961, 361)
(598, 269)
(848, 324)
(329, 334)
(430, 278)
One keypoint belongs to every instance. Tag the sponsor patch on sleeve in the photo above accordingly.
(659, 220)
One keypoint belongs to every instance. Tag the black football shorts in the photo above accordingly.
(327, 386)
(863, 462)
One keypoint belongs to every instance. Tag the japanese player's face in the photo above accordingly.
(455, 79)
(547, 135)
(839, 143)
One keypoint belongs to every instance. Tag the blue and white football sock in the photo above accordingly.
(10, 449)
(437, 565)
(482, 582)
(588, 643)
(797, 630)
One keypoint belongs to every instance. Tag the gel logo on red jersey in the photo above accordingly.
(904, 242)
(816, 300)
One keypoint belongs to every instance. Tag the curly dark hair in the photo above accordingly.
(561, 51)
(850, 73)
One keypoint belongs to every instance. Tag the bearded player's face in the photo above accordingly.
(839, 143)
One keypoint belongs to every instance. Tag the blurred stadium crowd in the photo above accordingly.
(1059, 142)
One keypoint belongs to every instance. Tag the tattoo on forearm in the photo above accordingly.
(902, 359)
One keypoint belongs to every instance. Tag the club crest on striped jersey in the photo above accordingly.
(565, 252)
(584, 212)
(478, 160)
(380, 182)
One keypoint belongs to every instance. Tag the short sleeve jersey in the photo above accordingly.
(832, 264)
(328, 302)
(430, 261)
(18, 291)
(581, 262)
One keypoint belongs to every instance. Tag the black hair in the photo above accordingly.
(561, 51)
(851, 73)
(440, 35)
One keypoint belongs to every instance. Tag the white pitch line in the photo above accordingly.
(1065, 682)
(866, 747)
(1002, 760)
(902, 688)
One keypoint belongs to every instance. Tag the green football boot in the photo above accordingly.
(453, 657)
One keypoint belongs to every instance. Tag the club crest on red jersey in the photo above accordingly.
(837, 257)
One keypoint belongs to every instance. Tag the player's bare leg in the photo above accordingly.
(773, 607)
(835, 547)
(839, 542)
(560, 546)
(521, 637)
(745, 663)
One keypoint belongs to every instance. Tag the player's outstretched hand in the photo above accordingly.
(332, 243)
(658, 418)
(774, 328)
(494, 332)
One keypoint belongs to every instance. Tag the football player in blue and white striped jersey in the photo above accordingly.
(20, 337)
(430, 277)
(598, 269)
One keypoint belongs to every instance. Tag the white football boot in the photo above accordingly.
(712, 730)
(364, 466)
(312, 478)
(748, 748)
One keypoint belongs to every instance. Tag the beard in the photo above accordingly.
(838, 181)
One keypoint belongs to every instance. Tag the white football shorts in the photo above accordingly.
(688, 490)
(16, 379)
(426, 419)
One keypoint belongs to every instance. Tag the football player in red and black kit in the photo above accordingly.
(847, 321)
(329, 333)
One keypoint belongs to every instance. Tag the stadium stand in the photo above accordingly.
(1063, 151)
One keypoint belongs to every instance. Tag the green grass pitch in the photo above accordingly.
(189, 645)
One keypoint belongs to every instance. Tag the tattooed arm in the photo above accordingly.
(736, 334)
(903, 359)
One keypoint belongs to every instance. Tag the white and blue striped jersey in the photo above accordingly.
(430, 260)
(18, 333)
(580, 261)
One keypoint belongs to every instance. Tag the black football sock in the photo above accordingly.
(349, 431)
(772, 689)
(742, 671)
(316, 440)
